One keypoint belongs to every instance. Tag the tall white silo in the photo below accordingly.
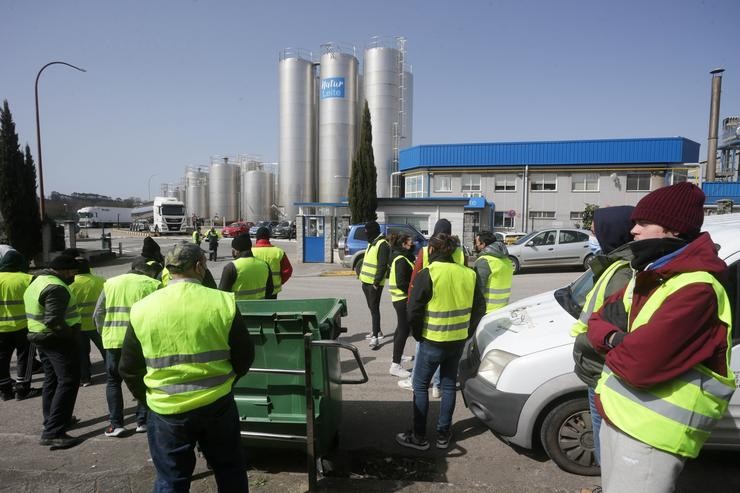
(223, 190)
(297, 179)
(257, 195)
(196, 191)
(338, 117)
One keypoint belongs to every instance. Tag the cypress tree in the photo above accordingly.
(362, 194)
(18, 201)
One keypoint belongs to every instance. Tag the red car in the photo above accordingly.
(235, 229)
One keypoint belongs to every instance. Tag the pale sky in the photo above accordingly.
(171, 83)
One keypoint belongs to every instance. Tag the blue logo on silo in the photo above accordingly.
(333, 87)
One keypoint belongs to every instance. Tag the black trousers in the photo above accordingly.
(372, 296)
(61, 382)
(402, 330)
(14, 341)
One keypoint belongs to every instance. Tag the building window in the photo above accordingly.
(505, 183)
(542, 214)
(679, 175)
(414, 186)
(442, 183)
(502, 220)
(638, 182)
(584, 182)
(543, 182)
(470, 183)
(576, 215)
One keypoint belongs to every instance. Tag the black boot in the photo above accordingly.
(25, 391)
(6, 392)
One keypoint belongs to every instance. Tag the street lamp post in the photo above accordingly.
(38, 133)
(149, 187)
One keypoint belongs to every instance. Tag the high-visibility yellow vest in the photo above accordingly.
(166, 277)
(273, 256)
(121, 292)
(12, 311)
(595, 298)
(370, 262)
(34, 310)
(184, 335)
(396, 293)
(676, 416)
(447, 316)
(197, 237)
(251, 278)
(458, 256)
(87, 289)
(498, 287)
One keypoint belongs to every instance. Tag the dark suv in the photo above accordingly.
(352, 245)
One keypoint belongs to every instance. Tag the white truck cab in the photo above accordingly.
(516, 373)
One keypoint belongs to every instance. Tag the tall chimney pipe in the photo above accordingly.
(709, 173)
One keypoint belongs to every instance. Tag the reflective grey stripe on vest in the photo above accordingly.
(450, 314)
(447, 327)
(205, 383)
(8, 303)
(498, 291)
(368, 264)
(12, 319)
(588, 310)
(116, 323)
(118, 309)
(183, 359)
(250, 291)
(31, 316)
(707, 384)
(659, 406)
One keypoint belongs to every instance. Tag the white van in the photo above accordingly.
(517, 375)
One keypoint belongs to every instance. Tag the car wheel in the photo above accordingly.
(587, 261)
(358, 266)
(515, 263)
(567, 437)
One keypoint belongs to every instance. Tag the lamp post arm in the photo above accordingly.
(42, 208)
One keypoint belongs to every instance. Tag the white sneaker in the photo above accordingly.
(114, 432)
(141, 428)
(435, 392)
(370, 336)
(374, 343)
(398, 371)
(406, 359)
(406, 384)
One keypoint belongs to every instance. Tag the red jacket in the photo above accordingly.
(286, 270)
(683, 332)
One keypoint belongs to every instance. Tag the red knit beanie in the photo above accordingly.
(679, 208)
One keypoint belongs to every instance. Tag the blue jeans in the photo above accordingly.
(430, 356)
(595, 423)
(114, 392)
(215, 427)
(435, 378)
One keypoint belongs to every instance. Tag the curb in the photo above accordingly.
(338, 273)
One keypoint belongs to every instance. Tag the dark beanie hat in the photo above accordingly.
(372, 229)
(263, 233)
(64, 262)
(442, 226)
(679, 208)
(242, 243)
(13, 261)
(151, 250)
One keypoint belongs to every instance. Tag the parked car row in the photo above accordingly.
(353, 243)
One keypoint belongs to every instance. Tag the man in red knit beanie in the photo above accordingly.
(666, 379)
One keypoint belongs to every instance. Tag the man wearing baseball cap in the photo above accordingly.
(667, 378)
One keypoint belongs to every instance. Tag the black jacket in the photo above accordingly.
(55, 300)
(132, 367)
(421, 294)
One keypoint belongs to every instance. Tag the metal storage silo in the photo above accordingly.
(382, 75)
(223, 190)
(297, 182)
(196, 192)
(257, 195)
(338, 116)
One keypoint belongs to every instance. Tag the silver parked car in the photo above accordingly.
(552, 247)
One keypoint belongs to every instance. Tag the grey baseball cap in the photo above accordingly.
(183, 256)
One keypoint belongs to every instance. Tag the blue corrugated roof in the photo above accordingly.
(715, 191)
(662, 150)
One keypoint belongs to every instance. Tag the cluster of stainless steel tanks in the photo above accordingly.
(231, 189)
(321, 107)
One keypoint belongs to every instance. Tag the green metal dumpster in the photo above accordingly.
(272, 398)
